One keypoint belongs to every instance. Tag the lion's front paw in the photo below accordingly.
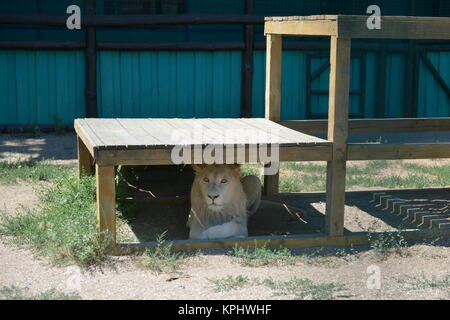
(203, 236)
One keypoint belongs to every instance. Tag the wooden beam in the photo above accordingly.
(273, 97)
(337, 133)
(372, 125)
(106, 204)
(287, 241)
(85, 160)
(358, 151)
(393, 27)
(301, 27)
(163, 156)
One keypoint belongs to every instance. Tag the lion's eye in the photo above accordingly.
(224, 181)
(206, 180)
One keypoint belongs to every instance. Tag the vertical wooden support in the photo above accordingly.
(247, 66)
(106, 203)
(273, 96)
(85, 161)
(337, 133)
(91, 65)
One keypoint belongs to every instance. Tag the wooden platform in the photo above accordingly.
(111, 142)
(150, 141)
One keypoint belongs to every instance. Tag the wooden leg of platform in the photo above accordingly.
(85, 161)
(271, 184)
(273, 96)
(106, 204)
(337, 133)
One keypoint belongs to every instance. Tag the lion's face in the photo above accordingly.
(217, 184)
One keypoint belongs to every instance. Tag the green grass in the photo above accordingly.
(262, 256)
(16, 293)
(309, 177)
(30, 171)
(296, 287)
(63, 226)
(423, 282)
(384, 244)
(162, 259)
(229, 283)
(303, 288)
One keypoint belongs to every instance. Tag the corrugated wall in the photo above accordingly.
(433, 101)
(41, 87)
(169, 84)
(293, 103)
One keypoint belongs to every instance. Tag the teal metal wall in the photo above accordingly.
(41, 87)
(432, 99)
(45, 86)
(293, 100)
(169, 84)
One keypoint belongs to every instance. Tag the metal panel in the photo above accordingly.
(433, 102)
(169, 84)
(41, 87)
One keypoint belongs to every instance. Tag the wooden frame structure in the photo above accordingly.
(341, 30)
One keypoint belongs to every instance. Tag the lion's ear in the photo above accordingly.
(235, 167)
(198, 167)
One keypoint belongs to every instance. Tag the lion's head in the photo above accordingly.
(217, 185)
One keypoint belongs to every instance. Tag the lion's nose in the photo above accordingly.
(213, 197)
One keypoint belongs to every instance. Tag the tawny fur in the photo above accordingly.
(227, 215)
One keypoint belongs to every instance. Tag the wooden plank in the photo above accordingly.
(163, 156)
(287, 134)
(112, 133)
(135, 128)
(357, 151)
(372, 125)
(273, 97)
(301, 27)
(351, 26)
(337, 133)
(90, 139)
(273, 77)
(106, 203)
(395, 27)
(85, 160)
(163, 129)
(287, 241)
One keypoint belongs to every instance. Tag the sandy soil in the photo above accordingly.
(127, 278)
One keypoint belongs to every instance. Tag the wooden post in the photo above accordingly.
(91, 65)
(106, 203)
(273, 96)
(247, 66)
(85, 160)
(337, 133)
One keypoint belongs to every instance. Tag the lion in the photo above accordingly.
(221, 202)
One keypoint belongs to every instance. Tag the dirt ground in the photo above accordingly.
(127, 278)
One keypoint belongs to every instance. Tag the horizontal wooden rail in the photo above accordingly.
(288, 241)
(372, 125)
(132, 20)
(360, 151)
